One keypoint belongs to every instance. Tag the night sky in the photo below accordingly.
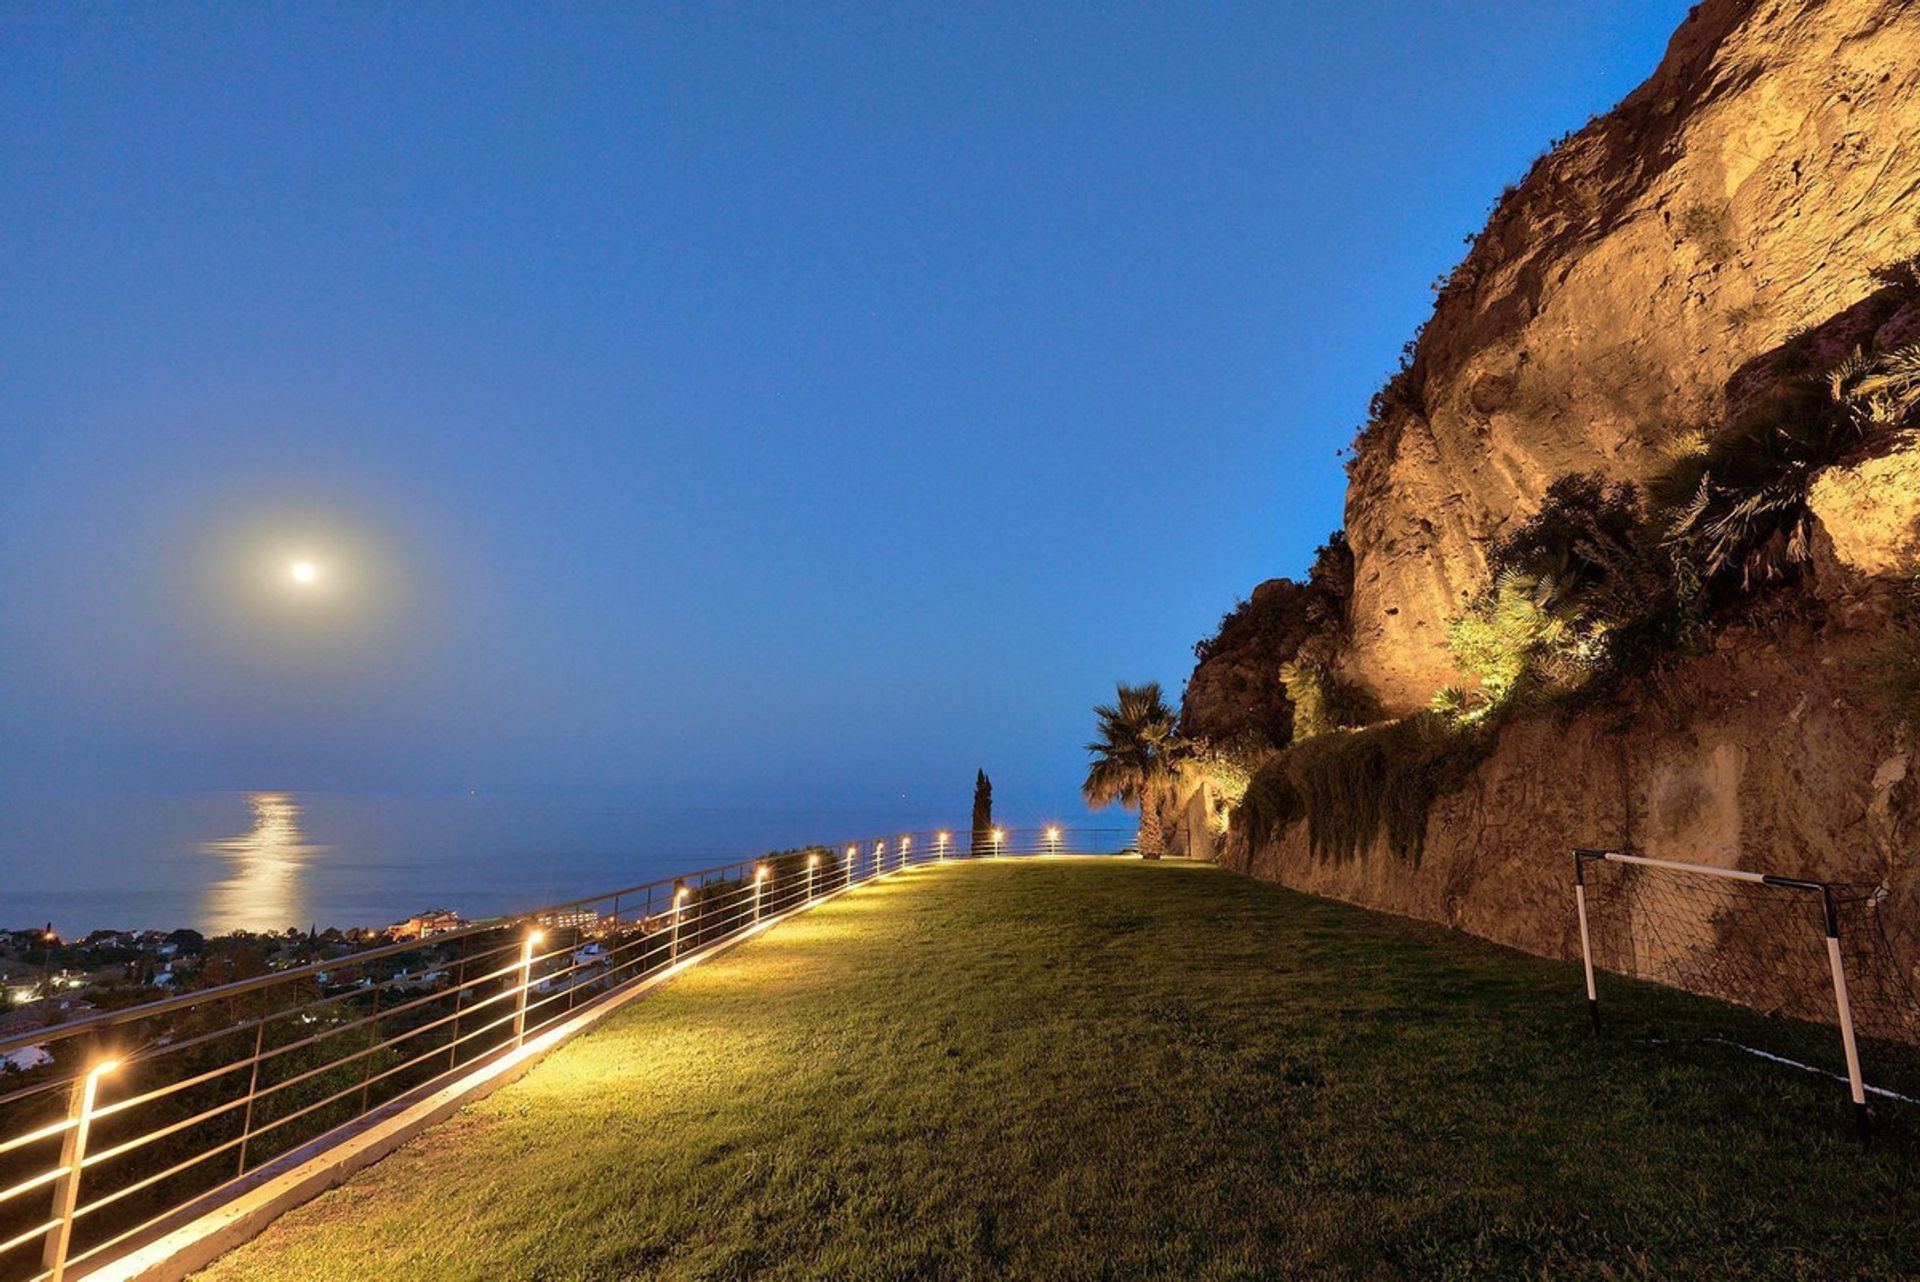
(757, 402)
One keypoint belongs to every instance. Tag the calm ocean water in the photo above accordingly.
(269, 860)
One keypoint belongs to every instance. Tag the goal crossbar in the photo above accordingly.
(1843, 1009)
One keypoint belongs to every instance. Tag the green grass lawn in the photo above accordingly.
(1114, 1069)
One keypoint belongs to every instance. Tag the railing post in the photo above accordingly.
(1855, 1082)
(1586, 943)
(680, 894)
(459, 1000)
(526, 985)
(759, 880)
(851, 860)
(253, 1091)
(813, 861)
(373, 1044)
(906, 847)
(73, 1156)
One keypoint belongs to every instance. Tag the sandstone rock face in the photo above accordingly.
(1748, 191)
(1869, 512)
(1237, 686)
(1759, 757)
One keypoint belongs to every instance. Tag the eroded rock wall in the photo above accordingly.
(1750, 756)
(1749, 190)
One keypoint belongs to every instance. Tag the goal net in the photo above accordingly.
(1788, 947)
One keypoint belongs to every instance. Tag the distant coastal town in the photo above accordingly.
(46, 979)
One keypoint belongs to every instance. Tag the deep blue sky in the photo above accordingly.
(752, 401)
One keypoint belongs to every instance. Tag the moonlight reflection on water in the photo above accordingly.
(266, 866)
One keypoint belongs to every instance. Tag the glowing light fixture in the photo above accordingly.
(304, 572)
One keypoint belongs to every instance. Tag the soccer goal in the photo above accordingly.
(1805, 950)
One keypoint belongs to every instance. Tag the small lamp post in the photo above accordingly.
(526, 983)
(759, 880)
(73, 1157)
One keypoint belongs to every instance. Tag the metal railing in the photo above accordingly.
(146, 1116)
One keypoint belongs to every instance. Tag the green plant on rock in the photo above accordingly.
(1321, 700)
(1583, 592)
(1738, 505)
(1353, 787)
(1524, 636)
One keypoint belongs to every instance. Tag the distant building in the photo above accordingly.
(570, 919)
(432, 922)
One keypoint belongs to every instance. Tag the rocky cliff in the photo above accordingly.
(1736, 228)
(1747, 192)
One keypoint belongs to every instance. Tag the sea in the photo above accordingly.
(225, 861)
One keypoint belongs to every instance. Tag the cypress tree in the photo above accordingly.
(982, 811)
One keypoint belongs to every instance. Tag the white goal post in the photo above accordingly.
(1815, 892)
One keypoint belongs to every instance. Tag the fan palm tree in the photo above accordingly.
(1138, 751)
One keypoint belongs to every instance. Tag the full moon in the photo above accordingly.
(305, 572)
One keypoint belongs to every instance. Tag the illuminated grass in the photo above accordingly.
(1072, 1069)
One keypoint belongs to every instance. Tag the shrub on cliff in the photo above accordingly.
(1355, 786)
(1738, 503)
(1284, 619)
(1583, 592)
(1321, 700)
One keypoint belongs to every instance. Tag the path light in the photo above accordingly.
(526, 982)
(879, 854)
(940, 845)
(813, 861)
(1053, 841)
(906, 844)
(998, 837)
(850, 865)
(679, 910)
(73, 1158)
(759, 878)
